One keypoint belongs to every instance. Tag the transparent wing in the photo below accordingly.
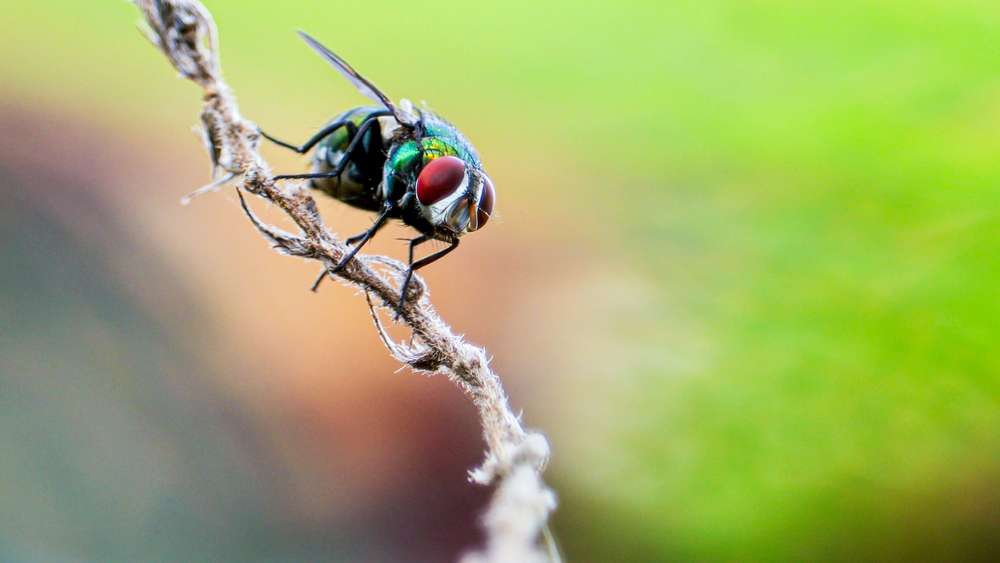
(360, 82)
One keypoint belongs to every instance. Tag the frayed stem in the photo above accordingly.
(519, 511)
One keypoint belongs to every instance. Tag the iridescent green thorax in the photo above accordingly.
(443, 136)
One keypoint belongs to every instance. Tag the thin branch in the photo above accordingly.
(515, 458)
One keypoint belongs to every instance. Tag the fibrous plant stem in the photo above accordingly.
(516, 521)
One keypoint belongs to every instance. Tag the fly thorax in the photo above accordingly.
(390, 128)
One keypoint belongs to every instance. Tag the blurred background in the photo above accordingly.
(744, 275)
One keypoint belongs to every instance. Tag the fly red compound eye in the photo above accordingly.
(486, 201)
(439, 179)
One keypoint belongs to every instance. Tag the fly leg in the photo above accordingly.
(380, 221)
(356, 140)
(414, 266)
(351, 241)
(304, 148)
(361, 240)
(359, 236)
(321, 134)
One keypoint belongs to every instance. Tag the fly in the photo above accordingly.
(402, 162)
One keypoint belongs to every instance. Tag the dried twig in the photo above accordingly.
(518, 514)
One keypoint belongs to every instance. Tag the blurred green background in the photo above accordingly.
(744, 276)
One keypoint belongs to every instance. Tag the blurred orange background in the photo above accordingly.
(743, 276)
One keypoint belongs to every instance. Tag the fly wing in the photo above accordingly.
(360, 82)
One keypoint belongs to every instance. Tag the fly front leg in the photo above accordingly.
(361, 239)
(414, 266)
(366, 236)
(363, 235)
(403, 203)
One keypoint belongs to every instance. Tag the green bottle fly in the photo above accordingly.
(403, 162)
